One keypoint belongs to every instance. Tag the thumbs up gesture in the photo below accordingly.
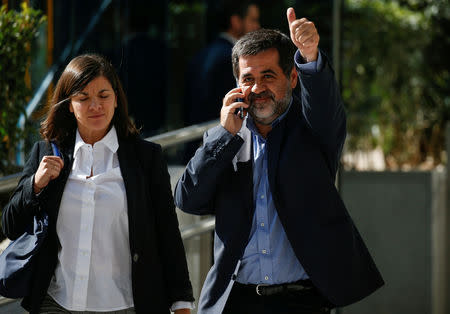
(304, 35)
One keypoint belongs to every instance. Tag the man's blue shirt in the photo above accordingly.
(268, 257)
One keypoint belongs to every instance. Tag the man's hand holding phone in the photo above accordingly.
(234, 109)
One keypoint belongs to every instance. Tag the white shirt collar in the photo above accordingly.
(228, 37)
(109, 140)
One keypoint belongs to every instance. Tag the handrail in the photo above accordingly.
(68, 50)
(168, 139)
(8, 183)
(4, 301)
(198, 228)
(183, 135)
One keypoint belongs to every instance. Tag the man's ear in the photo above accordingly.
(293, 77)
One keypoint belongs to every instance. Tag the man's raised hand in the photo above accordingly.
(304, 35)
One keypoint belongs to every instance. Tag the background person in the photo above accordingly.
(209, 75)
(113, 244)
(284, 241)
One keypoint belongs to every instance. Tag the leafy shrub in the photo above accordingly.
(17, 32)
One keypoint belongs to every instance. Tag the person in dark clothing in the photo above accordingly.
(209, 74)
(284, 242)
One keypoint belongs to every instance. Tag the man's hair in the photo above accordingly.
(261, 40)
(230, 8)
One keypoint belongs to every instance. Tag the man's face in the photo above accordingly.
(271, 90)
(251, 20)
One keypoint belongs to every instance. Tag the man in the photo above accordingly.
(209, 75)
(284, 242)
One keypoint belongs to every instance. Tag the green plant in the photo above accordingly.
(17, 32)
(395, 78)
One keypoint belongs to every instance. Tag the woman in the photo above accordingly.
(113, 243)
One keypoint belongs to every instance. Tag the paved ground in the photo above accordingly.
(11, 308)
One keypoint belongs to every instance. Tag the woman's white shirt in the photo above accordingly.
(94, 265)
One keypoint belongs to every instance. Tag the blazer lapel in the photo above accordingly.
(130, 170)
(273, 149)
(275, 140)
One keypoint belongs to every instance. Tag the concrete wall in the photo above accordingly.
(401, 216)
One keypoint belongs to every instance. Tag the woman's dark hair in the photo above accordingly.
(60, 124)
(261, 40)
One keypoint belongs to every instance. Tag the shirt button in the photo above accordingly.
(262, 196)
(264, 251)
(135, 257)
(266, 278)
(262, 224)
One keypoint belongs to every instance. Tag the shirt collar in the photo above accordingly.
(251, 124)
(228, 37)
(109, 140)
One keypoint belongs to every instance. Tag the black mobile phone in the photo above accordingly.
(240, 111)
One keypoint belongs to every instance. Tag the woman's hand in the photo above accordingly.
(183, 311)
(49, 169)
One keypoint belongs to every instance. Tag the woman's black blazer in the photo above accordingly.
(159, 270)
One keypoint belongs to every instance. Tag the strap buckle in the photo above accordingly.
(258, 291)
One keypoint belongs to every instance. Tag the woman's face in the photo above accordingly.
(93, 108)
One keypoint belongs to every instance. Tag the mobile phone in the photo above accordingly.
(240, 111)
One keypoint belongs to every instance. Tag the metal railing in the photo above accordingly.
(198, 228)
(169, 139)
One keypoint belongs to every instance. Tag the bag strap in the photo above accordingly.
(55, 149)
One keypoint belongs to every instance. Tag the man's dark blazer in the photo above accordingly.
(303, 154)
(159, 270)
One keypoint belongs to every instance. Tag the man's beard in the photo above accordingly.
(278, 106)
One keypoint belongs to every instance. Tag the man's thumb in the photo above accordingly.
(290, 15)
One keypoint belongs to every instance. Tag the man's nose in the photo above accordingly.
(258, 88)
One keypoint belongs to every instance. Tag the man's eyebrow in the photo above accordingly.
(269, 71)
(262, 72)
